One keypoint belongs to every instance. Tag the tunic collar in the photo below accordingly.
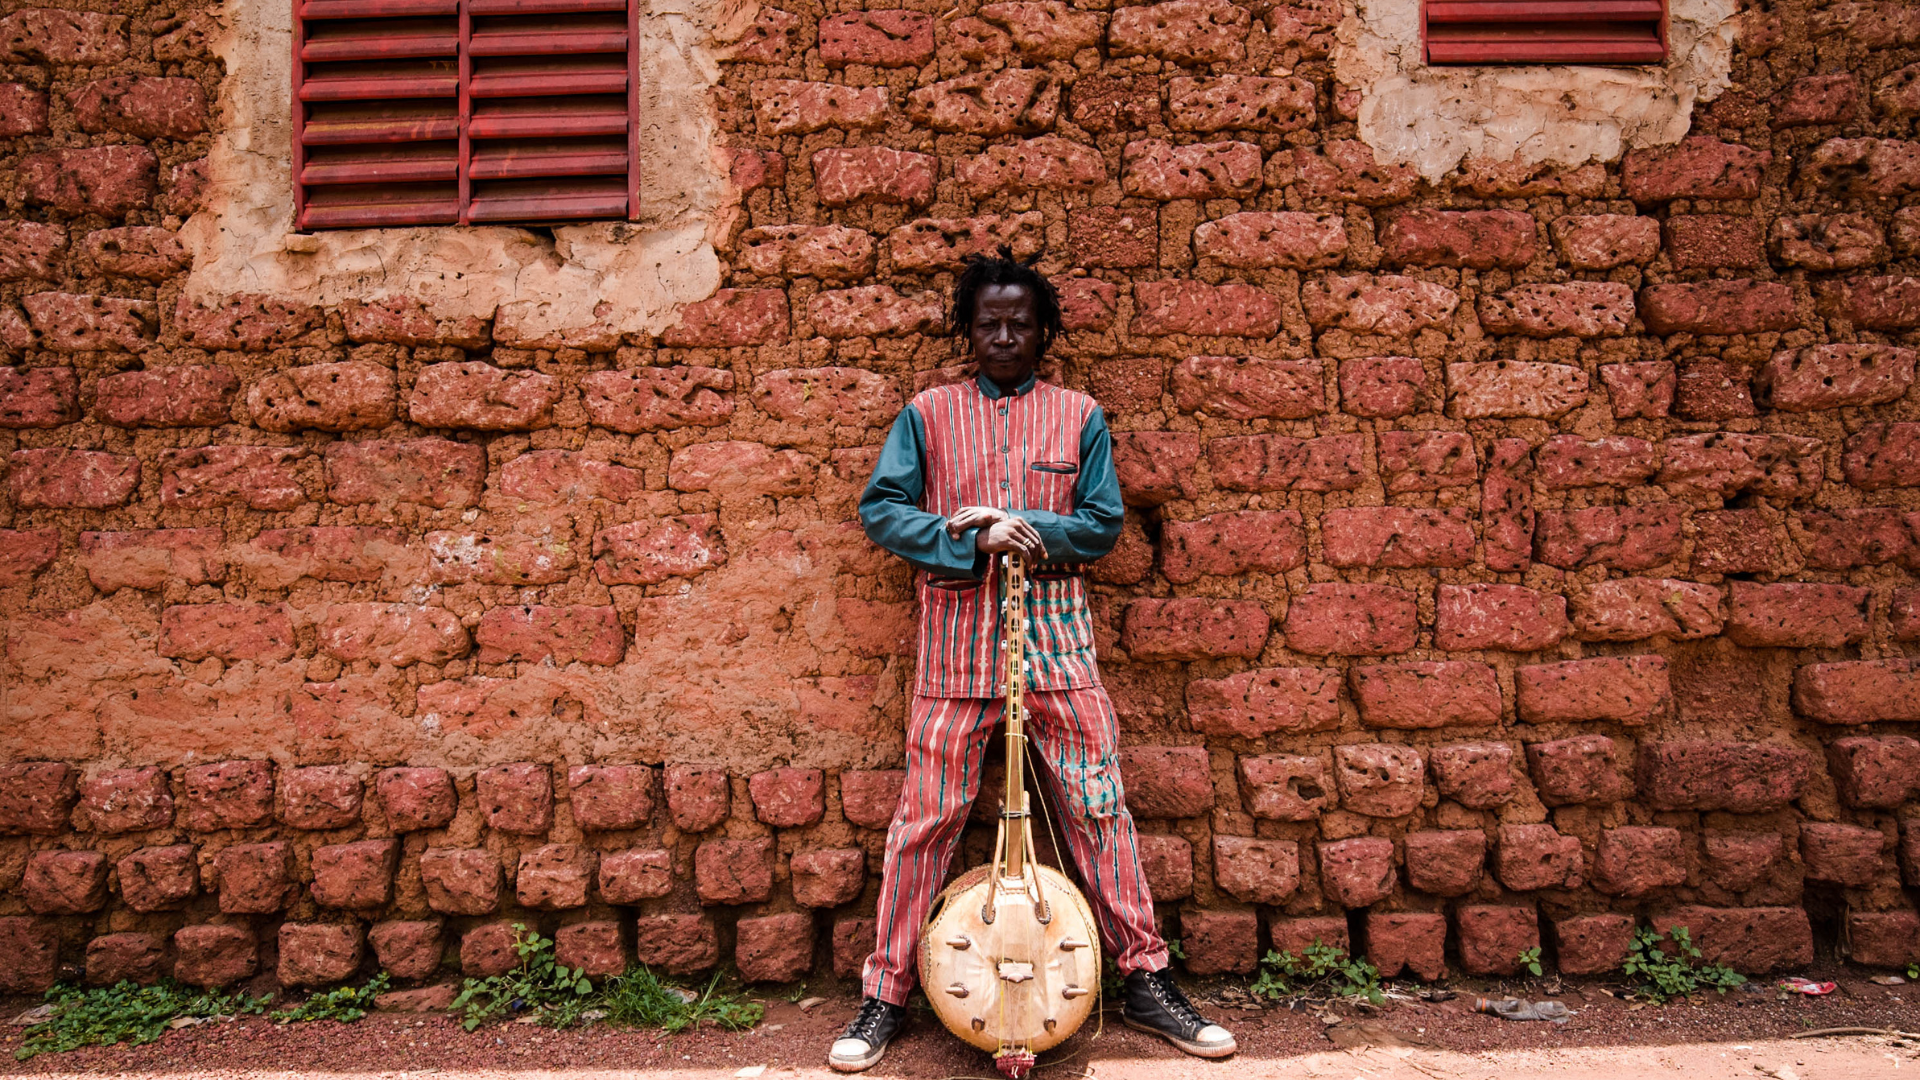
(992, 389)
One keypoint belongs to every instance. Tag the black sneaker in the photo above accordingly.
(865, 1041)
(1153, 1004)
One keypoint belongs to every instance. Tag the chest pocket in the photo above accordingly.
(1050, 485)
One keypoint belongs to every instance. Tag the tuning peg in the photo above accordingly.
(961, 942)
(1070, 944)
(1072, 992)
(958, 990)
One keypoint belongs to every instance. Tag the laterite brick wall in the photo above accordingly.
(1508, 559)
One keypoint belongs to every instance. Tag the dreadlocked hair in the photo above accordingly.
(1004, 269)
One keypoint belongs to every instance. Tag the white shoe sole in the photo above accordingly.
(859, 1064)
(1199, 1050)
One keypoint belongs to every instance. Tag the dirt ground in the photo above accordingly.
(1745, 1034)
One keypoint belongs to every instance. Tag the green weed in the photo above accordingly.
(1530, 960)
(345, 1004)
(125, 1013)
(550, 991)
(1668, 974)
(1318, 967)
(640, 998)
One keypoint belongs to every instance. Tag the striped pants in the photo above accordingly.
(1074, 732)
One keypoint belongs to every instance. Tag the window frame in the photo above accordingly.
(1548, 52)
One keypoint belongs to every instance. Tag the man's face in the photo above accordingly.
(1006, 333)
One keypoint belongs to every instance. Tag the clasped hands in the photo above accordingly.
(1000, 532)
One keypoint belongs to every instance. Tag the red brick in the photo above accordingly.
(211, 956)
(774, 948)
(1875, 773)
(28, 249)
(1193, 628)
(254, 477)
(1155, 466)
(1358, 872)
(74, 322)
(1105, 236)
(555, 877)
(259, 632)
(1566, 461)
(1882, 455)
(1166, 781)
(461, 881)
(1576, 771)
(1883, 303)
(1279, 463)
(1711, 388)
(1785, 466)
(59, 882)
(649, 552)
(697, 798)
(104, 180)
(868, 798)
(23, 111)
(1903, 614)
(145, 108)
(321, 797)
(1384, 304)
(36, 797)
(482, 397)
(1620, 537)
(1741, 778)
(611, 797)
(1295, 936)
(1489, 616)
(1714, 242)
(788, 798)
(1842, 854)
(1530, 857)
(1863, 168)
(1239, 103)
(1858, 692)
(1190, 32)
(767, 40)
(1604, 241)
(1592, 944)
(561, 477)
(431, 472)
(628, 877)
(155, 878)
(1718, 307)
(1883, 938)
(734, 871)
(1844, 539)
(829, 252)
(516, 798)
(1254, 704)
(1379, 779)
(1426, 694)
(1833, 376)
(1351, 620)
(278, 557)
(1698, 168)
(1827, 242)
(1343, 170)
(1640, 389)
(499, 560)
(54, 36)
(250, 322)
(874, 311)
(1476, 239)
(843, 176)
(1256, 871)
(253, 879)
(1819, 99)
(930, 244)
(397, 634)
(1514, 388)
(1381, 386)
(1152, 169)
(1087, 303)
(1220, 941)
(1105, 103)
(1407, 941)
(116, 801)
(1627, 689)
(743, 469)
(1632, 609)
(325, 397)
(227, 795)
(595, 948)
(1202, 310)
(1016, 101)
(1285, 241)
(1447, 862)
(732, 317)
(1167, 864)
(1284, 787)
(357, 876)
(25, 552)
(1396, 536)
(828, 877)
(1226, 545)
(490, 949)
(136, 958)
(853, 941)
(1584, 309)
(1796, 615)
(1476, 775)
(880, 38)
(1048, 163)
(792, 107)
(403, 320)
(1308, 27)
(1426, 460)
(564, 635)
(38, 397)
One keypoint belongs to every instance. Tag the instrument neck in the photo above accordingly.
(1014, 821)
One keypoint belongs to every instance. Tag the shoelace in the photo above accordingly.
(867, 1023)
(1176, 1002)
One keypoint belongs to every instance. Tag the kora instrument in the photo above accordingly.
(1010, 955)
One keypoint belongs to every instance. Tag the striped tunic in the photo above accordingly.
(1042, 452)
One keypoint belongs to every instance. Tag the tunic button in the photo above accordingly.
(1005, 449)
(1003, 410)
(1003, 483)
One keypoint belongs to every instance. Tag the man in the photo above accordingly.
(1001, 464)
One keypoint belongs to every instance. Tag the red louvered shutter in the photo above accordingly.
(1546, 31)
(442, 112)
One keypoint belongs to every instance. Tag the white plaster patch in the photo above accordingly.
(1432, 118)
(591, 283)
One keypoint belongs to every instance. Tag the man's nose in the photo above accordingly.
(1003, 334)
